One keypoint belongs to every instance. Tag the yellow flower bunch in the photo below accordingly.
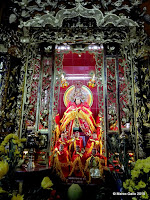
(2, 149)
(129, 183)
(23, 140)
(146, 165)
(16, 141)
(135, 173)
(18, 197)
(4, 167)
(141, 167)
(145, 195)
(46, 183)
(2, 191)
(16, 152)
(141, 184)
(143, 164)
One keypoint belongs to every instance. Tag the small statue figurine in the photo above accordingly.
(60, 162)
(93, 167)
(93, 142)
(76, 163)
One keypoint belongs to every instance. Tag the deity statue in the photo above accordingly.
(93, 142)
(76, 163)
(72, 152)
(62, 140)
(93, 166)
(76, 141)
(78, 114)
(60, 162)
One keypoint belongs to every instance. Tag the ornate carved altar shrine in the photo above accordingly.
(70, 73)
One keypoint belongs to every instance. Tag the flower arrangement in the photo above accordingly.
(139, 183)
(11, 149)
(45, 192)
(11, 153)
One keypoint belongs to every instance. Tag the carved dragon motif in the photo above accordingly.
(79, 10)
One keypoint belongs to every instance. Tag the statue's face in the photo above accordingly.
(61, 147)
(77, 134)
(94, 136)
(78, 101)
(93, 151)
(62, 136)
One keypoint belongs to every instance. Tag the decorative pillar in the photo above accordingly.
(125, 51)
(39, 95)
(137, 108)
(5, 72)
(118, 93)
(54, 95)
(50, 119)
(105, 98)
(23, 91)
(99, 57)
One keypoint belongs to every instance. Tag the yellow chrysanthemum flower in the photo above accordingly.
(132, 183)
(23, 139)
(15, 141)
(3, 168)
(146, 165)
(138, 166)
(147, 159)
(146, 170)
(2, 191)
(8, 137)
(18, 197)
(127, 181)
(125, 185)
(2, 149)
(3, 143)
(19, 145)
(145, 196)
(16, 152)
(137, 187)
(141, 184)
(6, 140)
(139, 161)
(15, 137)
(130, 189)
(46, 183)
(135, 173)
(134, 198)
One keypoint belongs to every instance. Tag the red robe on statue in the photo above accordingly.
(76, 142)
(57, 129)
(65, 144)
(60, 162)
(83, 115)
(99, 126)
(76, 166)
(92, 143)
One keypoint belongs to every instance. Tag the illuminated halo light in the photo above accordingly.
(87, 93)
